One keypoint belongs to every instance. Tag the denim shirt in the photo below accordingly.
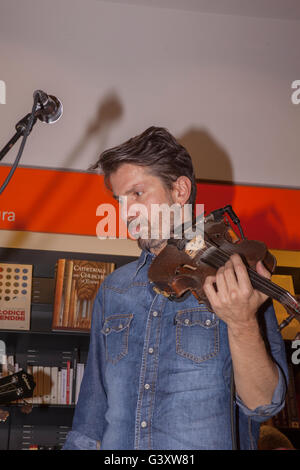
(158, 372)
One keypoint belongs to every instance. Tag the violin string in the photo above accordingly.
(220, 257)
(7, 385)
(271, 289)
(267, 289)
(7, 391)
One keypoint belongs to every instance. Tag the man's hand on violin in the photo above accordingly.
(232, 295)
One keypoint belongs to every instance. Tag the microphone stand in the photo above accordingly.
(23, 128)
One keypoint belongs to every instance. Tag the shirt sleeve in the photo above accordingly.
(89, 422)
(276, 348)
(264, 412)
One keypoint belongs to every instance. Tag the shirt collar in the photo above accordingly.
(144, 257)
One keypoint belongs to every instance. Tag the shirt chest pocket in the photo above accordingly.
(116, 332)
(197, 334)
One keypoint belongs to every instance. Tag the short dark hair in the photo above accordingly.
(155, 148)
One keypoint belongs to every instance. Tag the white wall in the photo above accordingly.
(220, 83)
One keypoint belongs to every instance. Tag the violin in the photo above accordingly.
(182, 266)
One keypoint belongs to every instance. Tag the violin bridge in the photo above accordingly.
(193, 247)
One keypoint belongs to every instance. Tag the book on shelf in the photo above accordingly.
(33, 436)
(55, 385)
(47, 385)
(15, 296)
(76, 286)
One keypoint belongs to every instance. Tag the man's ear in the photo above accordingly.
(181, 190)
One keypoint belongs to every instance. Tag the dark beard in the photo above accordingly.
(155, 245)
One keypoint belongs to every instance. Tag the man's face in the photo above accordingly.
(140, 187)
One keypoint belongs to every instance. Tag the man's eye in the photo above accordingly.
(139, 193)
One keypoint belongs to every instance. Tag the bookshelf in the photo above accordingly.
(47, 424)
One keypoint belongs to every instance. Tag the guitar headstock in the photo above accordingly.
(16, 386)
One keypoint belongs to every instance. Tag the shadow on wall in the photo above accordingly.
(261, 220)
(268, 225)
(212, 165)
(210, 160)
(108, 112)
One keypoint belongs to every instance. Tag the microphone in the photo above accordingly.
(49, 108)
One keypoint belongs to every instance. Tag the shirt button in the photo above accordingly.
(186, 321)
(207, 322)
(155, 314)
(150, 350)
(147, 386)
(143, 424)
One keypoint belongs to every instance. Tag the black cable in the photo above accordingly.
(25, 135)
(241, 231)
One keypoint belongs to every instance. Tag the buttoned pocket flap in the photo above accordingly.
(116, 323)
(196, 317)
(197, 334)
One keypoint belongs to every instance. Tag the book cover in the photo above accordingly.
(74, 377)
(36, 391)
(71, 386)
(76, 285)
(63, 386)
(59, 387)
(54, 386)
(68, 383)
(40, 384)
(46, 398)
(15, 296)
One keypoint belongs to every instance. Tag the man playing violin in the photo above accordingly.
(159, 372)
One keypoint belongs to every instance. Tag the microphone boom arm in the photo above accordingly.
(21, 128)
(45, 107)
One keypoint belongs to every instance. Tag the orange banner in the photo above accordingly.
(52, 201)
(268, 214)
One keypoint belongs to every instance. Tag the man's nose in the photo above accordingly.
(132, 213)
(128, 212)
